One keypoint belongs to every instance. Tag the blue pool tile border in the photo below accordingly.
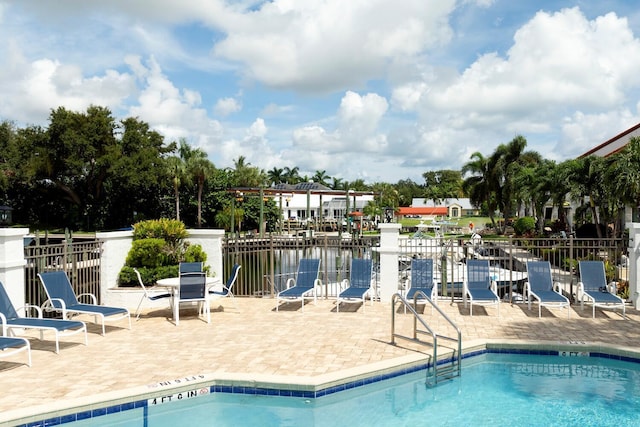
(306, 394)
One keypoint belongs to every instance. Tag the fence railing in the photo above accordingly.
(508, 256)
(81, 261)
(267, 263)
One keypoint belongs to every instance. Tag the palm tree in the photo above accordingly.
(478, 185)
(337, 183)
(246, 175)
(321, 177)
(176, 169)
(276, 175)
(292, 175)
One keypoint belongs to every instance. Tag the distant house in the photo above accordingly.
(452, 208)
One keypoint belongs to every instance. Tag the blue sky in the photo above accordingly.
(379, 90)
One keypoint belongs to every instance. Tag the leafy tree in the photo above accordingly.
(442, 184)
(478, 184)
(292, 175)
(321, 177)
(276, 175)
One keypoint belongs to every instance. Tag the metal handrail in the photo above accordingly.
(417, 318)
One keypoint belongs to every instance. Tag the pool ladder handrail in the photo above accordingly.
(454, 368)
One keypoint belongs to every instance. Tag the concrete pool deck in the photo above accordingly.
(253, 341)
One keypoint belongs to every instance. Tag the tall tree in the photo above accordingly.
(321, 177)
(442, 184)
(276, 175)
(478, 184)
(199, 168)
(292, 175)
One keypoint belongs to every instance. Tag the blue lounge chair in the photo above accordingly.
(540, 287)
(358, 287)
(304, 285)
(226, 291)
(62, 298)
(422, 280)
(594, 289)
(11, 345)
(479, 289)
(10, 318)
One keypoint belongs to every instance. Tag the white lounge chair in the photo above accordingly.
(541, 288)
(62, 298)
(12, 321)
(304, 285)
(479, 289)
(593, 288)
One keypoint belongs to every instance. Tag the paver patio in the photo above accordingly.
(254, 341)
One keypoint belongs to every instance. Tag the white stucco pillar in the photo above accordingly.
(115, 248)
(12, 263)
(634, 262)
(211, 242)
(389, 250)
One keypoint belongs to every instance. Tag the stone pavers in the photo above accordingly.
(254, 341)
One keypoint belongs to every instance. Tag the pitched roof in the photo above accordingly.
(614, 144)
(440, 210)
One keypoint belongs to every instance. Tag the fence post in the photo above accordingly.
(12, 263)
(634, 263)
(389, 250)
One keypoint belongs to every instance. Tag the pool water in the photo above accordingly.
(493, 390)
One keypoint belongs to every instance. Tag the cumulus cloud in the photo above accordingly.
(226, 106)
(331, 44)
(174, 112)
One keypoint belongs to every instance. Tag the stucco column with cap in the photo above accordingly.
(12, 263)
(634, 262)
(388, 250)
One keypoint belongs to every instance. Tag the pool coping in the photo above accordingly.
(64, 411)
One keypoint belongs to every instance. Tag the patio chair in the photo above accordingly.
(540, 287)
(304, 285)
(190, 267)
(14, 345)
(62, 298)
(422, 280)
(594, 289)
(226, 288)
(146, 295)
(193, 288)
(61, 328)
(359, 284)
(479, 289)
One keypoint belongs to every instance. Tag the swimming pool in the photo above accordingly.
(494, 388)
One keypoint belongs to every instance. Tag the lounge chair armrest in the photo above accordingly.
(290, 282)
(494, 286)
(613, 288)
(556, 287)
(92, 297)
(317, 283)
(526, 289)
(48, 305)
(344, 284)
(25, 309)
(3, 321)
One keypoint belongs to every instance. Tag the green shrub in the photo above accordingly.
(158, 246)
(147, 253)
(524, 225)
(194, 253)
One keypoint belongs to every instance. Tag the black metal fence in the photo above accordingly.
(81, 261)
(267, 263)
(508, 256)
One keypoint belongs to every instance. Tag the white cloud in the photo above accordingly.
(175, 113)
(226, 106)
(331, 44)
